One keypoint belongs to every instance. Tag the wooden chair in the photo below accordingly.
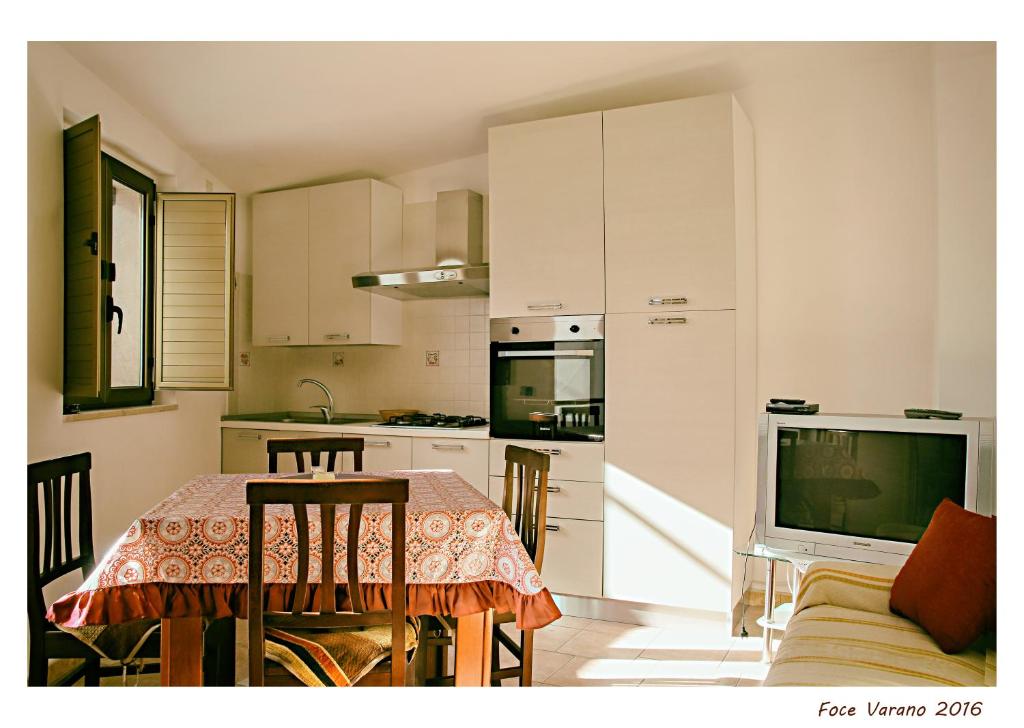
(50, 556)
(340, 633)
(525, 502)
(314, 446)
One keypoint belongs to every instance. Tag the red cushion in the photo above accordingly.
(948, 585)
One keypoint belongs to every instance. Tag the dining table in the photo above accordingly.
(185, 561)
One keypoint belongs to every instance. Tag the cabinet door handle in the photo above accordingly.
(666, 320)
(549, 527)
(667, 301)
(548, 450)
(442, 446)
(279, 339)
(376, 443)
(554, 489)
(543, 306)
(335, 337)
(248, 436)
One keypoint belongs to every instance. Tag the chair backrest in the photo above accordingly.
(525, 497)
(355, 493)
(314, 446)
(51, 546)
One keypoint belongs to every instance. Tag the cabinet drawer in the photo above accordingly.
(573, 552)
(244, 451)
(566, 498)
(468, 458)
(387, 453)
(569, 460)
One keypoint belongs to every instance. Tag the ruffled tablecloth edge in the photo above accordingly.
(158, 600)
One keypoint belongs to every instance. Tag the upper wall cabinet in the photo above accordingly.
(280, 268)
(307, 245)
(547, 217)
(670, 180)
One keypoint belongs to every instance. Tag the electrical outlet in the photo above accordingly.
(433, 358)
(244, 359)
(338, 359)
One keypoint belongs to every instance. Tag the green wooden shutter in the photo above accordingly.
(83, 282)
(195, 254)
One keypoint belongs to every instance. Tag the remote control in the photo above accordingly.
(916, 413)
(791, 409)
(784, 400)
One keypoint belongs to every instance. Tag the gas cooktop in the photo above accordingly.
(436, 420)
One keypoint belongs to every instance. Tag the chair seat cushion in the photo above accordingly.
(333, 658)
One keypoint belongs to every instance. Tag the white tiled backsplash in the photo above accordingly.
(392, 377)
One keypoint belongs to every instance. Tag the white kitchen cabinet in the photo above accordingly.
(307, 245)
(669, 451)
(245, 451)
(675, 176)
(569, 460)
(566, 498)
(468, 458)
(386, 453)
(280, 268)
(547, 217)
(353, 227)
(572, 557)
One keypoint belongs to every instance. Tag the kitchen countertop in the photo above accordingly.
(273, 421)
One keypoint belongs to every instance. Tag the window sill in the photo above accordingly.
(120, 412)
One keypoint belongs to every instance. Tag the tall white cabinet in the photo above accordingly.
(307, 245)
(681, 423)
(547, 217)
(646, 213)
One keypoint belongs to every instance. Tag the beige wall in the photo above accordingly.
(137, 460)
(847, 259)
(965, 165)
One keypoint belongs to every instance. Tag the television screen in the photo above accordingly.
(866, 483)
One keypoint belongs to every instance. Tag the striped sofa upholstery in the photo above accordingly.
(843, 634)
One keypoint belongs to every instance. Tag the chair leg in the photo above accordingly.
(526, 643)
(495, 655)
(92, 672)
(37, 669)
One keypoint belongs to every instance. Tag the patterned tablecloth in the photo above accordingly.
(188, 556)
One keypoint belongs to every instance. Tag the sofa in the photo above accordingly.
(843, 634)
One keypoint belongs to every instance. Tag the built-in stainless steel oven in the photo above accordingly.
(547, 378)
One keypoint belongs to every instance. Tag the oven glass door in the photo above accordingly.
(548, 390)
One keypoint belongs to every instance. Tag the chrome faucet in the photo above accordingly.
(328, 411)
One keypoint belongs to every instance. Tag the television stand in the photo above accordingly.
(776, 617)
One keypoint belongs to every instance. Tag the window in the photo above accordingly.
(108, 277)
(148, 282)
(127, 249)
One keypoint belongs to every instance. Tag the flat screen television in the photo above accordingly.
(864, 487)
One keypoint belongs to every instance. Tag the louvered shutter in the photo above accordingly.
(194, 290)
(83, 284)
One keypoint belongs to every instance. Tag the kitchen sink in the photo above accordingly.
(305, 418)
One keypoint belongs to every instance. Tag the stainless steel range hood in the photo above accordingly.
(460, 270)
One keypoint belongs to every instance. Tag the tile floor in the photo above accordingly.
(588, 652)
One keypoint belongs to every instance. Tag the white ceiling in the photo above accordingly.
(269, 115)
